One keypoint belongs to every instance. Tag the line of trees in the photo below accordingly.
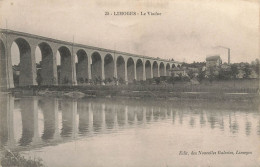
(213, 73)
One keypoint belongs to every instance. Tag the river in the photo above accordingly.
(100, 132)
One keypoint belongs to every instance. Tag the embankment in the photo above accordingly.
(229, 90)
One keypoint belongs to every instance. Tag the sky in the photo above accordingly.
(186, 30)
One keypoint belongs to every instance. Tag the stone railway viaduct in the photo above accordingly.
(92, 61)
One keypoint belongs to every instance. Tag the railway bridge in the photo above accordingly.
(92, 62)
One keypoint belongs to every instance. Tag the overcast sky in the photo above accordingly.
(187, 30)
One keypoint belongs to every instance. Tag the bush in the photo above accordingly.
(121, 81)
(157, 80)
(142, 82)
(39, 78)
(149, 81)
(176, 78)
(170, 80)
(15, 159)
(97, 80)
(185, 78)
(16, 79)
(107, 80)
(91, 82)
(135, 81)
(80, 80)
(65, 80)
(201, 75)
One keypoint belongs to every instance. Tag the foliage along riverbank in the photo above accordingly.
(234, 90)
(15, 159)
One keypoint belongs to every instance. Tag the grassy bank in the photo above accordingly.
(17, 160)
(232, 89)
(229, 86)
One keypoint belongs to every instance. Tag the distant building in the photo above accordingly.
(213, 65)
(194, 70)
(213, 61)
(253, 74)
(240, 74)
(203, 68)
(176, 71)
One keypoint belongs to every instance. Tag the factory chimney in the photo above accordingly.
(228, 55)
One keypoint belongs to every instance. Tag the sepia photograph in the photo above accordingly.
(129, 83)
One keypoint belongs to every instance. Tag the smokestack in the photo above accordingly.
(228, 55)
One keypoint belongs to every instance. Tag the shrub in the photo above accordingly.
(157, 80)
(142, 82)
(135, 81)
(201, 75)
(149, 81)
(97, 80)
(121, 81)
(65, 80)
(15, 159)
(109, 80)
(16, 79)
(176, 78)
(170, 80)
(185, 78)
(80, 80)
(91, 82)
(39, 78)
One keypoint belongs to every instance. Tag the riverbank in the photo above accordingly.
(218, 90)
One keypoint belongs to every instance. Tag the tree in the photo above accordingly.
(81, 80)
(191, 74)
(234, 70)
(91, 82)
(224, 74)
(256, 66)
(185, 78)
(170, 80)
(98, 80)
(121, 81)
(142, 82)
(16, 79)
(39, 77)
(107, 80)
(115, 80)
(247, 71)
(211, 74)
(134, 81)
(65, 80)
(157, 80)
(201, 75)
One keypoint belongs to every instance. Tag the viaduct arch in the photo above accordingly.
(93, 62)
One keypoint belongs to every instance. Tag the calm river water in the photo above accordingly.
(132, 133)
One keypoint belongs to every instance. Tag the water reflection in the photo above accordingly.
(50, 111)
(85, 117)
(67, 119)
(121, 115)
(29, 112)
(110, 116)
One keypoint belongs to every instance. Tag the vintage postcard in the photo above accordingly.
(119, 83)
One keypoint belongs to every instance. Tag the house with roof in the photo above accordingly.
(194, 70)
(213, 65)
(177, 71)
(213, 61)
